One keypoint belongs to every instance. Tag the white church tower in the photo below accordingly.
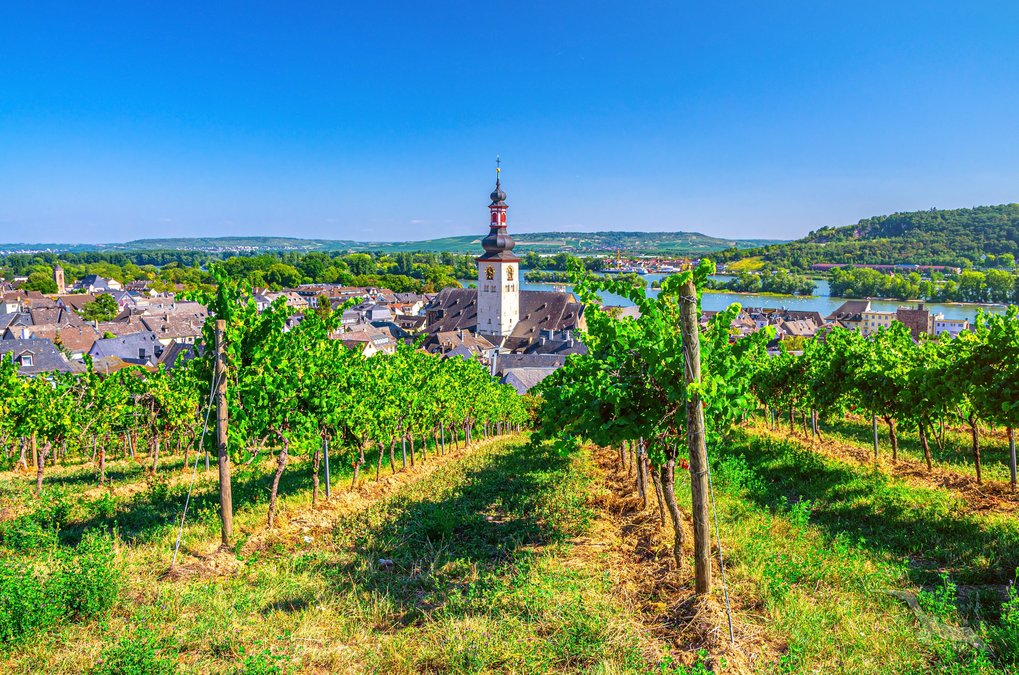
(498, 272)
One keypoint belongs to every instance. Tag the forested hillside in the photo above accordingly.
(957, 237)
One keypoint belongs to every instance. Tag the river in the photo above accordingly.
(821, 302)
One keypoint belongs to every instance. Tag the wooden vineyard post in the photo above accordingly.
(690, 328)
(226, 507)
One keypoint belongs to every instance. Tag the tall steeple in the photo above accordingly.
(498, 270)
(498, 244)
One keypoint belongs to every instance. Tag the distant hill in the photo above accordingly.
(581, 242)
(933, 237)
(666, 243)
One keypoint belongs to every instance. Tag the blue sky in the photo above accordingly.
(381, 120)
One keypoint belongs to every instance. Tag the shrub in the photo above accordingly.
(137, 654)
(940, 601)
(1006, 633)
(160, 490)
(54, 510)
(736, 472)
(104, 507)
(89, 577)
(27, 603)
(27, 534)
(73, 584)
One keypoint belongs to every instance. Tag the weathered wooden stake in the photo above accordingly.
(226, 504)
(690, 328)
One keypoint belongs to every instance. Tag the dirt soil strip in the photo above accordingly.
(293, 526)
(644, 579)
(992, 496)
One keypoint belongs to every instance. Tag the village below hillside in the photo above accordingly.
(118, 325)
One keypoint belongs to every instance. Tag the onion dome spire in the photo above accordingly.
(498, 244)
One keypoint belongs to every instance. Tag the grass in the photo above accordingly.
(957, 454)
(815, 544)
(476, 574)
(490, 561)
(751, 264)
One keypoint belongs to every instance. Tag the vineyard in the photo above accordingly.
(672, 501)
(642, 390)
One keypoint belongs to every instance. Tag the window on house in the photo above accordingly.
(141, 353)
(26, 359)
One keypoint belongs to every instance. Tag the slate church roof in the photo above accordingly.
(541, 313)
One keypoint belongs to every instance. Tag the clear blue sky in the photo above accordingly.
(381, 120)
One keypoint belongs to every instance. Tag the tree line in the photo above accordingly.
(421, 272)
(965, 238)
(780, 281)
(400, 272)
(990, 286)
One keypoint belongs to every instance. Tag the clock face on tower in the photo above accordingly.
(489, 273)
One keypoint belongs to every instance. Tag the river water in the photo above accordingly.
(822, 302)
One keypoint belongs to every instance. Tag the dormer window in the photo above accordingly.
(26, 359)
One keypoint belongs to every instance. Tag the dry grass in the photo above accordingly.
(645, 578)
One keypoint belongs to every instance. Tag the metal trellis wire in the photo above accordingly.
(721, 558)
(194, 471)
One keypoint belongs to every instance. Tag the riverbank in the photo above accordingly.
(760, 294)
(821, 302)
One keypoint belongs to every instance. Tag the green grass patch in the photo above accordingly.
(751, 264)
(817, 543)
(56, 585)
(956, 455)
(481, 579)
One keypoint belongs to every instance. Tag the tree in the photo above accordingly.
(103, 308)
(40, 280)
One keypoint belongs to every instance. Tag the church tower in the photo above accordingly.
(58, 279)
(498, 272)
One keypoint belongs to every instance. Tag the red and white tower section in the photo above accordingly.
(498, 273)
